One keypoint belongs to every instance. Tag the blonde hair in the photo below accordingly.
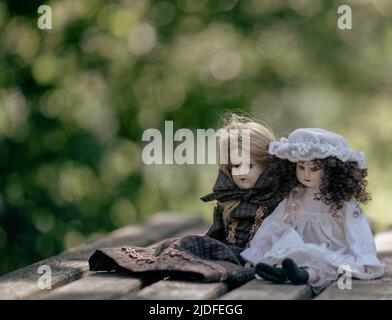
(260, 138)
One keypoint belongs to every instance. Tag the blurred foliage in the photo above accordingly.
(74, 102)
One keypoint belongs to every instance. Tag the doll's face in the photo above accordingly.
(247, 181)
(309, 174)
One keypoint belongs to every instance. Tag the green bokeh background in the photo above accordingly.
(75, 100)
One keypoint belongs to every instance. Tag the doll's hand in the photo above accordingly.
(369, 269)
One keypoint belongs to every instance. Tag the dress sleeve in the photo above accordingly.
(266, 235)
(217, 230)
(359, 237)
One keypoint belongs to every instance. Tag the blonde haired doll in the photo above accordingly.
(243, 202)
(319, 227)
(231, 214)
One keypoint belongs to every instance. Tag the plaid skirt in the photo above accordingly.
(194, 258)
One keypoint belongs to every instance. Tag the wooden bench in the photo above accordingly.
(71, 278)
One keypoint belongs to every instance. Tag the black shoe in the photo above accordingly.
(270, 273)
(297, 275)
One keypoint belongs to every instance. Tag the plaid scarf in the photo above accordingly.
(260, 194)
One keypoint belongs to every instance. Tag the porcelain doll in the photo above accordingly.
(319, 227)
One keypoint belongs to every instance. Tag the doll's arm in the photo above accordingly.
(217, 229)
(360, 238)
(270, 231)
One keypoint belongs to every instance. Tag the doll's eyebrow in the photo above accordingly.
(312, 164)
(315, 164)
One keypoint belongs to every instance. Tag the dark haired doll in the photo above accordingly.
(318, 230)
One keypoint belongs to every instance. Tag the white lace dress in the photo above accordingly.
(304, 230)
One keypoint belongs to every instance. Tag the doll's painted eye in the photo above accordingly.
(301, 167)
(314, 169)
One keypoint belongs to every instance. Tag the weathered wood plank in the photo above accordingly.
(181, 290)
(379, 289)
(98, 286)
(72, 264)
(197, 230)
(160, 226)
(265, 290)
(105, 286)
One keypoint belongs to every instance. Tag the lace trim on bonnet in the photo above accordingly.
(307, 144)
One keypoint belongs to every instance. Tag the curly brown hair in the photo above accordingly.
(340, 182)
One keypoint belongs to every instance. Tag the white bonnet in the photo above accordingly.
(306, 144)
